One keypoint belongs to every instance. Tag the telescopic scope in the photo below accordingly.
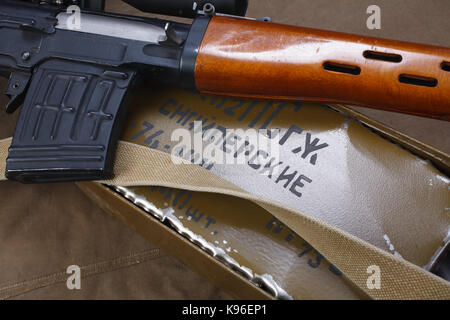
(189, 8)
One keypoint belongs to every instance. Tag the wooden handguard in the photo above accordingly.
(248, 58)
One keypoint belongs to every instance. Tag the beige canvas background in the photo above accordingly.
(45, 228)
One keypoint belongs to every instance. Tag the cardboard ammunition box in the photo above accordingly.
(335, 164)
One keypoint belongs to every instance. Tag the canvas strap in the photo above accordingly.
(399, 279)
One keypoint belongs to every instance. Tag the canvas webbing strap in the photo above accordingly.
(141, 166)
(4, 145)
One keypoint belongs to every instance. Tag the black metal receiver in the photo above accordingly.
(74, 71)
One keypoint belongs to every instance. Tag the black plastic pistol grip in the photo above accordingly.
(69, 123)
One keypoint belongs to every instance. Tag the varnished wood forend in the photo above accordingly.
(258, 59)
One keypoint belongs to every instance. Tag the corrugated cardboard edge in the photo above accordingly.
(197, 259)
(173, 243)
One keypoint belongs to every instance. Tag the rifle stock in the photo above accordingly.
(256, 59)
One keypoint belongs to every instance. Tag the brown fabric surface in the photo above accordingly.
(161, 278)
(45, 228)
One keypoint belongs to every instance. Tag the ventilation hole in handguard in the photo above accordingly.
(382, 56)
(418, 80)
(342, 68)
